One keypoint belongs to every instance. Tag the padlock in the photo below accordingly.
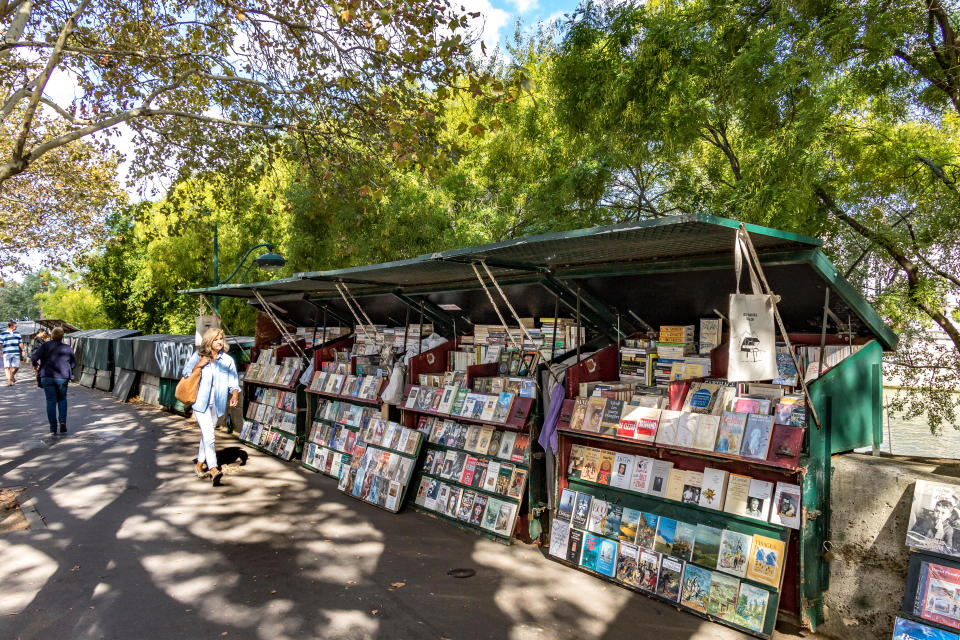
(827, 554)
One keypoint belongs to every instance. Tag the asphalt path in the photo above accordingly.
(126, 543)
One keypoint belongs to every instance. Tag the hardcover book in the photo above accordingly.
(766, 560)
(730, 434)
(722, 601)
(675, 481)
(671, 576)
(622, 471)
(785, 509)
(574, 546)
(683, 540)
(706, 545)
(649, 570)
(658, 480)
(734, 550)
(696, 587)
(629, 524)
(692, 486)
(714, 488)
(627, 564)
(756, 436)
(667, 428)
(758, 499)
(647, 533)
(752, 607)
(666, 531)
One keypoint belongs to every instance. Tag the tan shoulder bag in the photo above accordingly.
(187, 388)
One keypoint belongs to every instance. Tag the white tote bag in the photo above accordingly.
(753, 352)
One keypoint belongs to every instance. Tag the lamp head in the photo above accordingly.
(270, 261)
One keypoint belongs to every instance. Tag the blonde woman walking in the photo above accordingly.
(218, 380)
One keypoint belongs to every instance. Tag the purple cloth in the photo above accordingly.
(55, 359)
(548, 435)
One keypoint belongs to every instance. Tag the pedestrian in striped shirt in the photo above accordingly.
(12, 345)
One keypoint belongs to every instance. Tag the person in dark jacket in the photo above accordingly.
(54, 362)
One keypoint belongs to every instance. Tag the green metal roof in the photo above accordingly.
(676, 244)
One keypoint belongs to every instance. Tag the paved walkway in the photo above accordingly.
(131, 545)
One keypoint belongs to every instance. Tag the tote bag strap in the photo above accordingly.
(741, 254)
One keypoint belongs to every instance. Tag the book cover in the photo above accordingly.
(479, 508)
(641, 473)
(591, 551)
(503, 478)
(505, 519)
(598, 509)
(710, 335)
(702, 396)
(574, 546)
(667, 428)
(469, 468)
(495, 438)
(458, 400)
(671, 575)
(647, 422)
(605, 466)
(658, 480)
(752, 607)
(675, 481)
(647, 533)
(683, 540)
(756, 436)
(714, 488)
(517, 480)
(594, 414)
(786, 444)
(579, 411)
(568, 498)
(734, 552)
(696, 587)
(581, 510)
(490, 476)
(425, 398)
(705, 438)
(502, 410)
(521, 445)
(666, 531)
(629, 524)
(622, 471)
(490, 514)
(610, 526)
(433, 491)
(453, 501)
(422, 492)
(507, 441)
(746, 405)
(785, 509)
(591, 464)
(722, 601)
(627, 427)
(473, 437)
(610, 418)
(576, 461)
(466, 410)
(606, 557)
(904, 629)
(766, 561)
(467, 501)
(627, 564)
(730, 433)
(706, 545)
(648, 569)
(687, 427)
(758, 499)
(738, 491)
(489, 407)
(692, 486)
(479, 474)
(559, 536)
(447, 398)
(786, 369)
(483, 440)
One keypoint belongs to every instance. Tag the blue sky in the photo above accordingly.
(500, 16)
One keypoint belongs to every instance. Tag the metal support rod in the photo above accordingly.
(578, 324)
(776, 313)
(556, 310)
(420, 332)
(823, 332)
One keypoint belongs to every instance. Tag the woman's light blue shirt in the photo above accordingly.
(217, 380)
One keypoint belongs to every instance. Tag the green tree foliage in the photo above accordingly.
(73, 303)
(18, 299)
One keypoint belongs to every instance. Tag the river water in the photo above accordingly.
(913, 437)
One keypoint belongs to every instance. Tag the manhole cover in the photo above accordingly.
(461, 573)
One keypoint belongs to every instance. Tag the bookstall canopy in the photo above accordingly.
(95, 347)
(30, 328)
(161, 355)
(665, 271)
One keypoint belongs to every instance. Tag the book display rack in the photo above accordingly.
(272, 398)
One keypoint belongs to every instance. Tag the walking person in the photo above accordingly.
(218, 379)
(12, 344)
(54, 362)
(38, 339)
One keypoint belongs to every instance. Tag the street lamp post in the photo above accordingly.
(268, 261)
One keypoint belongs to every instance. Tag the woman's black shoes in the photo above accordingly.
(63, 427)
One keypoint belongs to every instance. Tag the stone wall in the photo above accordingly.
(870, 506)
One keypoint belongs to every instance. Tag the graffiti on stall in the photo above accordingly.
(171, 356)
